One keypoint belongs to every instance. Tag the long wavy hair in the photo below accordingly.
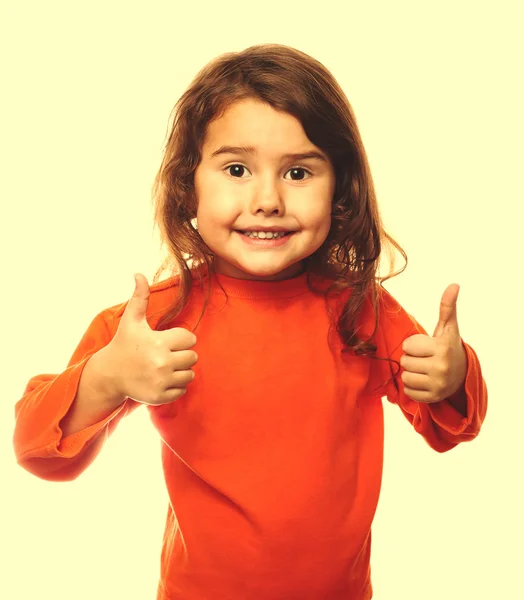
(288, 80)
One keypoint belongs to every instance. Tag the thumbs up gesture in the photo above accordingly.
(435, 367)
(151, 367)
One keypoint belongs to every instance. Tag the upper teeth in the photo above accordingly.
(265, 234)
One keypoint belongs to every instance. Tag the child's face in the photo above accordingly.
(265, 191)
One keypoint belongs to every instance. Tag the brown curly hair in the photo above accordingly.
(288, 80)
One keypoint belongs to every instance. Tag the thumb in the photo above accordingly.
(448, 311)
(137, 306)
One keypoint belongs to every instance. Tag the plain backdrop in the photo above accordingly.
(87, 89)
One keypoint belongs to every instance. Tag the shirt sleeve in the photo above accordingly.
(39, 444)
(440, 424)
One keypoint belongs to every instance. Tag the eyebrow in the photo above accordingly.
(311, 154)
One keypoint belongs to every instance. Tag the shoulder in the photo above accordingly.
(389, 307)
(393, 311)
(395, 323)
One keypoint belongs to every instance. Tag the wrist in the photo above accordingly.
(104, 380)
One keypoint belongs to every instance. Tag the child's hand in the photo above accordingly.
(151, 367)
(435, 367)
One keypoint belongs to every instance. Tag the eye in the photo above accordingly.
(295, 169)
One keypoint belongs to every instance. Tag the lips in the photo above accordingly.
(263, 230)
(269, 242)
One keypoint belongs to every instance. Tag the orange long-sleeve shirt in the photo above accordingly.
(273, 457)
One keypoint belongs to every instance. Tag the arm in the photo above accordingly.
(443, 424)
(455, 419)
(94, 401)
(41, 446)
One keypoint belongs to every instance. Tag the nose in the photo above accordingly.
(267, 200)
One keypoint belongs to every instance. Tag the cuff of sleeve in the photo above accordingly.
(445, 415)
(73, 444)
(48, 441)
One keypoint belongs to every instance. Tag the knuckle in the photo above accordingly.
(157, 362)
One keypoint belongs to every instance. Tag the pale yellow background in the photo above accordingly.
(86, 93)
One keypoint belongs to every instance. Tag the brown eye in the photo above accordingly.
(295, 169)
(238, 166)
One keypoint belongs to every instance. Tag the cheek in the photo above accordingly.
(323, 231)
(319, 219)
(321, 224)
(211, 208)
(212, 212)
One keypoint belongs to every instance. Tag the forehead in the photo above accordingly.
(256, 128)
(251, 120)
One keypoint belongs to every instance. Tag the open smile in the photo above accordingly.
(266, 243)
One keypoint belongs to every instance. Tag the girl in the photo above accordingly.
(273, 433)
